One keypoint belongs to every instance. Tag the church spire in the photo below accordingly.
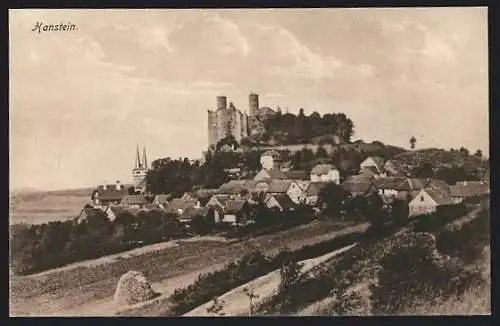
(137, 159)
(144, 159)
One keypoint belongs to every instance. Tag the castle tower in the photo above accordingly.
(140, 171)
(221, 102)
(253, 104)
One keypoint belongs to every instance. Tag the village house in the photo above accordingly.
(373, 161)
(412, 186)
(281, 203)
(178, 206)
(236, 212)
(360, 188)
(86, 212)
(428, 200)
(393, 168)
(114, 211)
(107, 194)
(134, 201)
(275, 187)
(218, 201)
(270, 159)
(192, 211)
(162, 200)
(369, 172)
(313, 191)
(469, 189)
(388, 188)
(235, 188)
(201, 195)
(325, 173)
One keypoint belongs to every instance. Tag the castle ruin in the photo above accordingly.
(228, 120)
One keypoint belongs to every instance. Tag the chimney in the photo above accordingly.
(118, 185)
(104, 186)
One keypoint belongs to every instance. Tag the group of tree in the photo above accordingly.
(450, 175)
(289, 128)
(43, 246)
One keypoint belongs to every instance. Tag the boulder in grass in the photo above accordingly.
(133, 287)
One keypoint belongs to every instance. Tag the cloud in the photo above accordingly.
(210, 34)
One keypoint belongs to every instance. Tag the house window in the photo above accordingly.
(421, 198)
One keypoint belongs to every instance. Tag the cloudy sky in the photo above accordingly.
(80, 101)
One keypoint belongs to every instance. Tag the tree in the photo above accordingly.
(251, 296)
(332, 198)
(413, 141)
(479, 153)
(464, 151)
(217, 307)
(321, 152)
(424, 171)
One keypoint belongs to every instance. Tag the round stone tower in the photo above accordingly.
(253, 100)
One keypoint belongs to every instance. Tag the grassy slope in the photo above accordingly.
(70, 288)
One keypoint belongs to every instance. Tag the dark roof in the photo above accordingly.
(274, 173)
(357, 188)
(359, 178)
(470, 189)
(163, 199)
(368, 171)
(321, 169)
(276, 185)
(284, 201)
(437, 183)
(271, 152)
(120, 210)
(236, 186)
(315, 187)
(178, 203)
(203, 193)
(234, 206)
(413, 184)
(297, 175)
(191, 212)
(440, 196)
(389, 182)
(378, 160)
(133, 200)
(111, 193)
(89, 211)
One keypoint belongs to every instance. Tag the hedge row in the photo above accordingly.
(252, 266)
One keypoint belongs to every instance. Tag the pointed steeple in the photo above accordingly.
(144, 158)
(137, 159)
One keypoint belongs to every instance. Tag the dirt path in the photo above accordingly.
(236, 302)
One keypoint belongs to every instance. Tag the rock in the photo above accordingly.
(133, 288)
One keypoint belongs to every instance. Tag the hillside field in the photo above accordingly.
(42, 207)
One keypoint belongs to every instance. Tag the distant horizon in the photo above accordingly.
(80, 100)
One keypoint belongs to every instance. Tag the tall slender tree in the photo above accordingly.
(413, 141)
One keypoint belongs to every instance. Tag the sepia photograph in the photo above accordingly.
(249, 162)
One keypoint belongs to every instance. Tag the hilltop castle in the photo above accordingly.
(228, 120)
